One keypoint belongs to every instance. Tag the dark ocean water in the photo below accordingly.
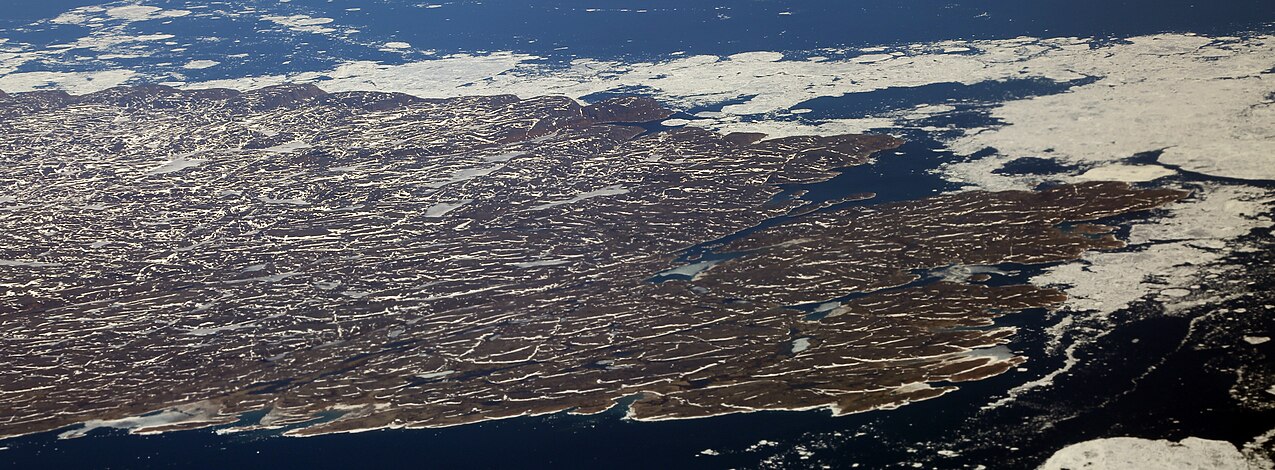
(560, 30)
(1185, 395)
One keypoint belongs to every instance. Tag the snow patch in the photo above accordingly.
(200, 412)
(27, 264)
(175, 165)
(800, 344)
(442, 208)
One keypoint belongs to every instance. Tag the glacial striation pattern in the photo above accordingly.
(171, 259)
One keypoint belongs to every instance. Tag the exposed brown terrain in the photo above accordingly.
(427, 262)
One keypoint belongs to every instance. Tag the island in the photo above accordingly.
(173, 259)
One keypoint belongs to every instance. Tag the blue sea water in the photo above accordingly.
(610, 29)
(559, 30)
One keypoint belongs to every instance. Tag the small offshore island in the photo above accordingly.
(176, 258)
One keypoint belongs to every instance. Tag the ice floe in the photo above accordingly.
(1170, 250)
(143, 13)
(1131, 452)
(200, 64)
(1256, 340)
(1148, 93)
(301, 23)
(1126, 173)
